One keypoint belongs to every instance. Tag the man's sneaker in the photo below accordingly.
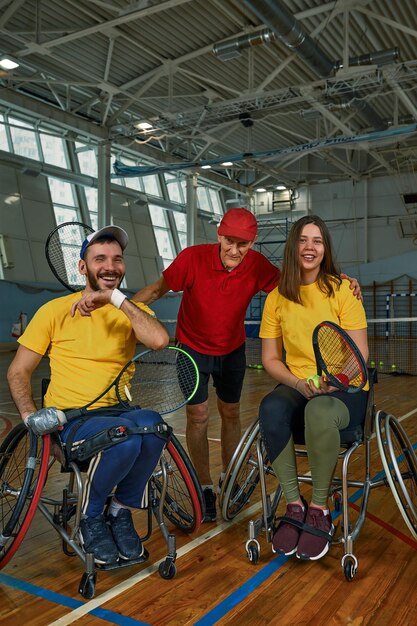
(125, 536)
(317, 535)
(96, 538)
(285, 539)
(210, 500)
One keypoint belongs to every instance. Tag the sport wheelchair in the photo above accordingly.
(250, 466)
(174, 496)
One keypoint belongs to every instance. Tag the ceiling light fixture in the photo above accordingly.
(281, 187)
(143, 126)
(227, 163)
(6, 63)
(260, 189)
(206, 167)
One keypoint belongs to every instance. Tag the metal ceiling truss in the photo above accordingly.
(301, 80)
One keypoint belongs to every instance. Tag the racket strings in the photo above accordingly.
(63, 252)
(340, 360)
(158, 380)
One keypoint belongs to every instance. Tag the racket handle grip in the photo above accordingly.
(45, 421)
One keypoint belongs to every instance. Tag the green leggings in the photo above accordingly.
(324, 417)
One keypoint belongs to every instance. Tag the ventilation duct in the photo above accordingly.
(284, 25)
(277, 17)
(379, 58)
(230, 49)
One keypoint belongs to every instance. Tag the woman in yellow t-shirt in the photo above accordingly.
(310, 291)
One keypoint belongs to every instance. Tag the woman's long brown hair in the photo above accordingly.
(328, 277)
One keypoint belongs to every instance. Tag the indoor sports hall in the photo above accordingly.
(160, 117)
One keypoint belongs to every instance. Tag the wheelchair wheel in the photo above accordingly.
(242, 475)
(23, 470)
(184, 500)
(400, 465)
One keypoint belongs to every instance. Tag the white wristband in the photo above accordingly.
(117, 298)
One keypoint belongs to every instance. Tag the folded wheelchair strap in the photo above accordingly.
(111, 437)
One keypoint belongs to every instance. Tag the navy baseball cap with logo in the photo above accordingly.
(113, 232)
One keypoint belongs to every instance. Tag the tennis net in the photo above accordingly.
(392, 345)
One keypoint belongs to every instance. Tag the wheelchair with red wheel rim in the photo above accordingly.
(175, 499)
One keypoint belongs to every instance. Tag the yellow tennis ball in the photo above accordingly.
(316, 380)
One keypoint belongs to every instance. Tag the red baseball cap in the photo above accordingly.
(239, 223)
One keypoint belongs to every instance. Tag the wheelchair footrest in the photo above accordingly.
(125, 563)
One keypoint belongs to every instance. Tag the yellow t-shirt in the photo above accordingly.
(295, 322)
(86, 353)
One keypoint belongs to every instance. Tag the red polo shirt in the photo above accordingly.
(214, 302)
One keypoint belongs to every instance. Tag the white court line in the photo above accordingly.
(133, 580)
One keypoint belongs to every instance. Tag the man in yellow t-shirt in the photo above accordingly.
(88, 339)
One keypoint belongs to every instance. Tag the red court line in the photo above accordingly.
(391, 529)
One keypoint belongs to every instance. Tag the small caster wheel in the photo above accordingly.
(253, 553)
(349, 569)
(167, 570)
(87, 586)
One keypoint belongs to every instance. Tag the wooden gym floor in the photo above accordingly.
(215, 582)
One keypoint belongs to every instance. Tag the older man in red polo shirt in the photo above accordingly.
(218, 282)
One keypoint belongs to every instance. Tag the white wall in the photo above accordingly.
(365, 223)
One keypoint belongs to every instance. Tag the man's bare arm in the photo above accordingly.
(148, 330)
(152, 292)
(19, 377)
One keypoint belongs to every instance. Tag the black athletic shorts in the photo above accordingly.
(227, 371)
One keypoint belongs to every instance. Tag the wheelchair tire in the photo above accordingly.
(23, 469)
(400, 465)
(184, 500)
(242, 475)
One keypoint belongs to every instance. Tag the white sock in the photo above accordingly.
(207, 487)
(222, 476)
(115, 507)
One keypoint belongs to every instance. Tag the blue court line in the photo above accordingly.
(210, 618)
(253, 583)
(59, 598)
(242, 592)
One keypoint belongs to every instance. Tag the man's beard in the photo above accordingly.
(92, 281)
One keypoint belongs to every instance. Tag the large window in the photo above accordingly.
(43, 141)
(24, 139)
(53, 150)
(175, 190)
(209, 200)
(151, 185)
(181, 224)
(4, 143)
(162, 233)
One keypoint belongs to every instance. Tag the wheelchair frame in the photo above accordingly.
(174, 495)
(250, 466)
